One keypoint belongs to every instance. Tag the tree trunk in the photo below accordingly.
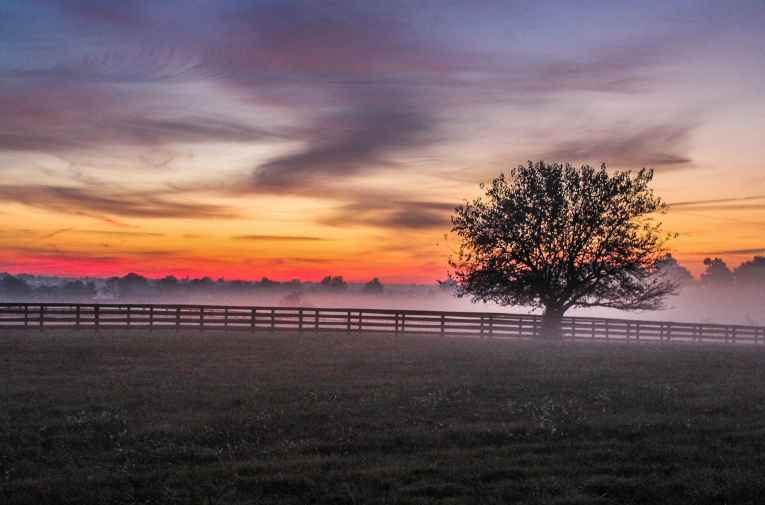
(551, 323)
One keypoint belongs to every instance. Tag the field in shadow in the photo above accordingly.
(213, 418)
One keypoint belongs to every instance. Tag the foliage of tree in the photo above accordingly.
(374, 286)
(674, 271)
(334, 283)
(717, 273)
(14, 287)
(167, 285)
(448, 284)
(131, 285)
(557, 236)
(751, 273)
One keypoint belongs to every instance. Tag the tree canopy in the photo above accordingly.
(374, 286)
(557, 236)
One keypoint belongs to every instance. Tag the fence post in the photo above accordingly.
(403, 322)
(573, 329)
(360, 320)
(734, 334)
(637, 331)
(253, 318)
(607, 334)
(97, 316)
(348, 322)
(177, 319)
(42, 316)
(395, 323)
(128, 316)
(201, 318)
(300, 320)
(491, 326)
(629, 327)
(26, 315)
(442, 324)
(593, 329)
(77, 317)
(273, 319)
(482, 326)
(225, 319)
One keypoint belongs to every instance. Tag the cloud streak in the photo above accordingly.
(72, 200)
(657, 146)
(392, 214)
(277, 238)
(753, 250)
(715, 201)
(51, 116)
(361, 137)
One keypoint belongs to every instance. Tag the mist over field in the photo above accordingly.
(720, 295)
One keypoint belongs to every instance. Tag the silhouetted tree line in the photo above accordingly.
(19, 288)
(717, 274)
(748, 276)
(135, 287)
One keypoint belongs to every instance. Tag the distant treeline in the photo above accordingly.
(137, 287)
(717, 273)
(747, 277)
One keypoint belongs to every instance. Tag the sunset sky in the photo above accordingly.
(242, 139)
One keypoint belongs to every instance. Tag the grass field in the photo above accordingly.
(285, 418)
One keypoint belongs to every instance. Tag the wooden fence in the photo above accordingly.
(475, 324)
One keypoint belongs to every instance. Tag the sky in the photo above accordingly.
(243, 139)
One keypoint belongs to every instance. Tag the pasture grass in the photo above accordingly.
(288, 418)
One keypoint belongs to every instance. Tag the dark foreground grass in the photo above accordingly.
(285, 418)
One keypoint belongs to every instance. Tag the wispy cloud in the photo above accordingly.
(73, 200)
(277, 238)
(107, 233)
(53, 116)
(396, 214)
(114, 233)
(360, 138)
(715, 201)
(718, 207)
(752, 250)
(658, 146)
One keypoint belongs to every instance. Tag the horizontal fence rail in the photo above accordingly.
(476, 324)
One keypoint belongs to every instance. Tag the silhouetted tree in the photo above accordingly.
(556, 236)
(717, 273)
(295, 285)
(674, 271)
(14, 287)
(167, 285)
(448, 284)
(751, 273)
(374, 286)
(265, 282)
(204, 282)
(335, 283)
(132, 286)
